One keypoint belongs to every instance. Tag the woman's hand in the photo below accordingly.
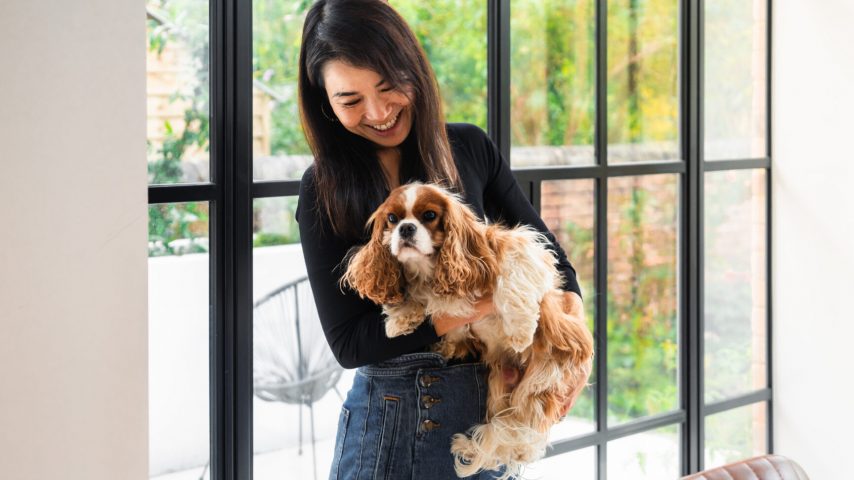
(445, 323)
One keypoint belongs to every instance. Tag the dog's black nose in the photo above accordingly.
(407, 230)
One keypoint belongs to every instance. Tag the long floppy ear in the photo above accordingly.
(563, 327)
(466, 261)
(371, 269)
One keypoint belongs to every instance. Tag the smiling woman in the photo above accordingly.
(371, 112)
(361, 67)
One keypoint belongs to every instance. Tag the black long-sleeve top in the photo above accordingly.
(354, 326)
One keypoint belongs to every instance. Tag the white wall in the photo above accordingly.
(73, 220)
(813, 226)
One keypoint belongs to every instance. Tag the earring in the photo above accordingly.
(322, 111)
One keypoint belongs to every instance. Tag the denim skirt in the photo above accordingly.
(400, 415)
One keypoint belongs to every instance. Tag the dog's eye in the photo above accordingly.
(392, 218)
(429, 215)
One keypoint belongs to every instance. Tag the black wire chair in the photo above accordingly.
(292, 362)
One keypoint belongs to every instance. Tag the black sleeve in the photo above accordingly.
(353, 326)
(504, 199)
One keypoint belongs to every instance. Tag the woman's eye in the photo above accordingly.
(429, 215)
(392, 218)
(351, 104)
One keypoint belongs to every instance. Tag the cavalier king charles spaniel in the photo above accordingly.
(429, 254)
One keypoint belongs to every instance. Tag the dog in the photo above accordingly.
(429, 254)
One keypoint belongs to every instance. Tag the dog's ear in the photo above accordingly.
(466, 262)
(563, 327)
(371, 269)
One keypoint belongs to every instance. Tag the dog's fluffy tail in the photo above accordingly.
(562, 354)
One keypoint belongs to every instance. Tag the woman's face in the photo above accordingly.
(366, 104)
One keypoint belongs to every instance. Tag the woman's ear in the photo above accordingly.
(371, 269)
(467, 262)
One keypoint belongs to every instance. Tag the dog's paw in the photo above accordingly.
(396, 329)
(464, 456)
(526, 453)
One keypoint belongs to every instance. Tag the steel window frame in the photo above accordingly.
(232, 191)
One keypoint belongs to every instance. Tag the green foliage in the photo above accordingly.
(169, 225)
(643, 90)
(274, 222)
(276, 35)
(453, 35)
(166, 167)
(553, 72)
(641, 321)
(270, 239)
(642, 334)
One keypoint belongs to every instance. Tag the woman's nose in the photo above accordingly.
(377, 110)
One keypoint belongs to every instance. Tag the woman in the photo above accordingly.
(371, 112)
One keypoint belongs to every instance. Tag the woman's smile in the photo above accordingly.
(389, 128)
(391, 123)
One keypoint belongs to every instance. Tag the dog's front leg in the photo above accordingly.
(403, 318)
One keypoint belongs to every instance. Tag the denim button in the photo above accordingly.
(428, 425)
(428, 401)
(427, 380)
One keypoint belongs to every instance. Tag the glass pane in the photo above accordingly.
(736, 434)
(652, 455)
(178, 90)
(735, 75)
(643, 296)
(295, 373)
(575, 465)
(735, 258)
(280, 151)
(643, 80)
(552, 82)
(178, 340)
(453, 33)
(567, 208)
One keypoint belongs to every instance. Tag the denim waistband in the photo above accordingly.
(410, 363)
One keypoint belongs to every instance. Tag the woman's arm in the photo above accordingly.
(354, 327)
(504, 201)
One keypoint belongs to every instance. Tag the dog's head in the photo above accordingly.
(432, 234)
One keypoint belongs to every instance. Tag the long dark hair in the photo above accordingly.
(348, 180)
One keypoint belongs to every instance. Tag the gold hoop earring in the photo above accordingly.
(323, 112)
